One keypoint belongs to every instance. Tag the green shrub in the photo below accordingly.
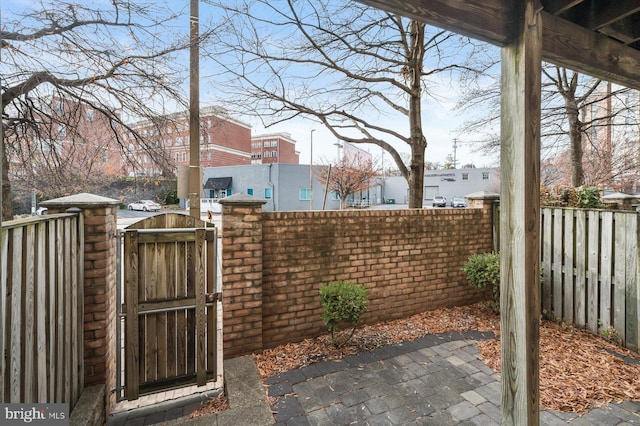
(342, 304)
(589, 198)
(483, 271)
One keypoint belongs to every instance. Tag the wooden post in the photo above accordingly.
(519, 216)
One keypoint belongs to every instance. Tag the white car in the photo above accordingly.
(145, 205)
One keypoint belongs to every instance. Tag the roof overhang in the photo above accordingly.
(570, 43)
(218, 183)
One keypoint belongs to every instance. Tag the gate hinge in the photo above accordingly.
(213, 297)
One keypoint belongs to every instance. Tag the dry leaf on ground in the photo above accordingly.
(577, 370)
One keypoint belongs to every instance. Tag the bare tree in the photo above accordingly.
(585, 126)
(350, 175)
(361, 72)
(114, 58)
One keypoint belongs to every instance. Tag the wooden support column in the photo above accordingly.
(519, 216)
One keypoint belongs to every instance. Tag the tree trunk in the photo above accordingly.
(575, 138)
(7, 209)
(418, 141)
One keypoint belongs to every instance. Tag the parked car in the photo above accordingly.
(145, 205)
(458, 202)
(439, 201)
(42, 211)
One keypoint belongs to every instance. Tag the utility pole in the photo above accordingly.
(311, 172)
(195, 183)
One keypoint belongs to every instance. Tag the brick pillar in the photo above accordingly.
(242, 274)
(490, 203)
(100, 258)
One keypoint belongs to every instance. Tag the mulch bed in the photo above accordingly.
(578, 370)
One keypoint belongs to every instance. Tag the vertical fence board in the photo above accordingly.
(28, 288)
(52, 313)
(4, 247)
(150, 283)
(161, 318)
(546, 260)
(73, 319)
(4, 314)
(40, 312)
(181, 316)
(172, 336)
(581, 267)
(632, 287)
(569, 253)
(60, 362)
(68, 297)
(15, 339)
(606, 247)
(212, 243)
(619, 274)
(592, 270)
(191, 318)
(132, 378)
(557, 262)
(201, 278)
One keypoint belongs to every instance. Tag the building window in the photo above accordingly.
(485, 175)
(184, 156)
(274, 154)
(465, 176)
(266, 154)
(89, 114)
(59, 107)
(335, 196)
(249, 191)
(305, 194)
(267, 193)
(177, 157)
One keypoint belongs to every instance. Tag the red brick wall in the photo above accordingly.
(410, 260)
(242, 278)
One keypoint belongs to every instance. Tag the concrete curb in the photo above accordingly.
(248, 403)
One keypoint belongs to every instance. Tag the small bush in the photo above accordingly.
(589, 198)
(483, 271)
(342, 304)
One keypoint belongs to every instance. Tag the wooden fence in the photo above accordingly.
(41, 310)
(591, 270)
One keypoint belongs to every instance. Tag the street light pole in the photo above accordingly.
(311, 172)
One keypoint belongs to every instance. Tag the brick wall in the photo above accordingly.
(409, 260)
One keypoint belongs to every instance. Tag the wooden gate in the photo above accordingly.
(171, 304)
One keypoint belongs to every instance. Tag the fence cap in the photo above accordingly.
(82, 200)
(241, 198)
(483, 195)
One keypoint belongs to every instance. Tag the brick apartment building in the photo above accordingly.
(274, 148)
(68, 143)
(224, 141)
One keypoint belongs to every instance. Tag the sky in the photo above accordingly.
(440, 121)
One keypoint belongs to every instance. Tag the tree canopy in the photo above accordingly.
(361, 72)
(116, 58)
